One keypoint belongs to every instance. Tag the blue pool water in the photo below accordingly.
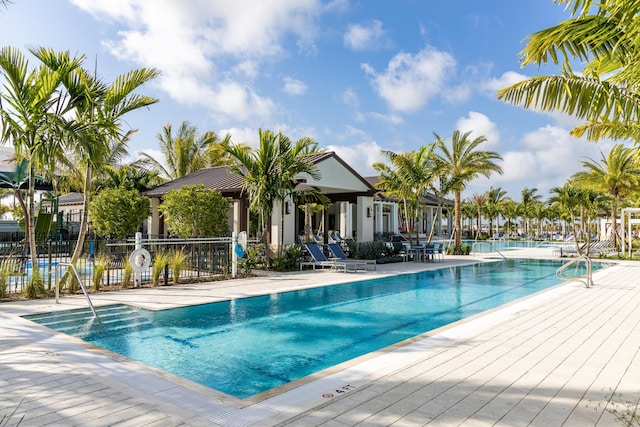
(246, 346)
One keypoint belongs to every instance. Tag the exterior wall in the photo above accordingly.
(364, 219)
(289, 224)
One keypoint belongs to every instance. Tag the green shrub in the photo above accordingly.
(252, 257)
(116, 212)
(160, 261)
(194, 211)
(290, 259)
(7, 269)
(128, 272)
(367, 250)
(178, 261)
(100, 265)
(35, 286)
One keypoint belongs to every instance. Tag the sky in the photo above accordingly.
(358, 76)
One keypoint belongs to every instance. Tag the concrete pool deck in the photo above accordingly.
(549, 359)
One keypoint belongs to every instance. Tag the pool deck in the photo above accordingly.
(550, 359)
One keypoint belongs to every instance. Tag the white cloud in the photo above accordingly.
(190, 42)
(361, 37)
(361, 152)
(507, 79)
(545, 158)
(294, 86)
(350, 99)
(479, 124)
(411, 80)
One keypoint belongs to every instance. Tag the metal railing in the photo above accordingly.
(473, 247)
(587, 278)
(77, 276)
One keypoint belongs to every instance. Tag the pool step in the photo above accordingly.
(72, 322)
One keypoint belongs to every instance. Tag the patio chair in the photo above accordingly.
(339, 254)
(320, 260)
(439, 250)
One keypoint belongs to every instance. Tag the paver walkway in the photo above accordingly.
(547, 360)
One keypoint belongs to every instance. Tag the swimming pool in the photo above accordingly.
(246, 346)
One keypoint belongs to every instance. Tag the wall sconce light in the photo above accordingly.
(368, 211)
(287, 208)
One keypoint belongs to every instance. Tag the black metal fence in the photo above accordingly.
(205, 258)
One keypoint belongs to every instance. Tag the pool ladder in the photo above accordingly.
(77, 276)
(473, 247)
(586, 279)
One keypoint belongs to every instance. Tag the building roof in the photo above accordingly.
(217, 178)
(71, 199)
(222, 179)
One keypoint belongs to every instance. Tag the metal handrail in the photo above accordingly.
(588, 280)
(84, 290)
(486, 243)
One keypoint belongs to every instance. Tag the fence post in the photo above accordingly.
(234, 256)
(49, 265)
(138, 274)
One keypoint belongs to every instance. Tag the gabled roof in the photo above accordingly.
(217, 178)
(230, 184)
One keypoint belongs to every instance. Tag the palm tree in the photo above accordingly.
(566, 198)
(34, 120)
(464, 162)
(129, 176)
(97, 138)
(185, 152)
(479, 201)
(602, 34)
(511, 211)
(408, 178)
(268, 173)
(529, 199)
(495, 200)
(617, 174)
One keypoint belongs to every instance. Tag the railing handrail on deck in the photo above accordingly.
(586, 279)
(486, 243)
(84, 290)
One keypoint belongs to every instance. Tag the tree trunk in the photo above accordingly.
(457, 245)
(307, 222)
(84, 221)
(614, 222)
(29, 225)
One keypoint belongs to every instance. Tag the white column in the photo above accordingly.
(394, 218)
(235, 221)
(378, 217)
(345, 227)
(364, 219)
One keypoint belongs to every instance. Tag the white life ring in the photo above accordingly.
(140, 260)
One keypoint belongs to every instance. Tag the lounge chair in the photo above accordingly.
(320, 260)
(339, 254)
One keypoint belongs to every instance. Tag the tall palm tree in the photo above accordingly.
(268, 173)
(479, 201)
(128, 176)
(617, 174)
(464, 162)
(495, 200)
(97, 138)
(34, 120)
(529, 199)
(603, 34)
(185, 152)
(408, 178)
(566, 198)
(511, 211)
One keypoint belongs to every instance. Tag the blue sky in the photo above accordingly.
(357, 76)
